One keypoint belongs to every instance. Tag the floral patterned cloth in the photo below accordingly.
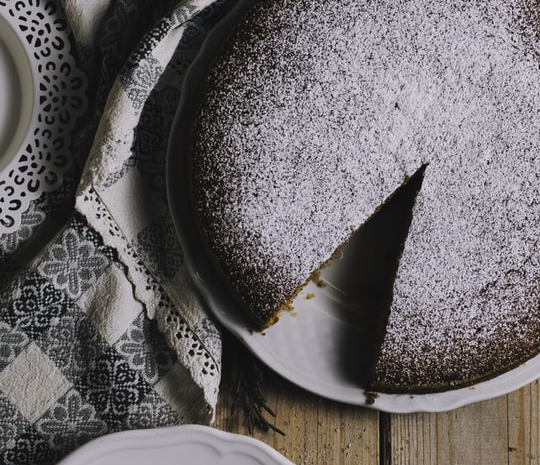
(100, 327)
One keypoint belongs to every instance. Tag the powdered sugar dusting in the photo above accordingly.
(318, 111)
(477, 217)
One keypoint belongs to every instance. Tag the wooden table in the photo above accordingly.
(505, 430)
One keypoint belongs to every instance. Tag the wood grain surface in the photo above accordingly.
(318, 431)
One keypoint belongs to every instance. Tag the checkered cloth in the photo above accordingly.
(100, 327)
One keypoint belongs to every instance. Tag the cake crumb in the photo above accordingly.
(371, 397)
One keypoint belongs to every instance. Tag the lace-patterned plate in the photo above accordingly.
(42, 92)
(178, 445)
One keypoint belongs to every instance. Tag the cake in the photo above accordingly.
(311, 117)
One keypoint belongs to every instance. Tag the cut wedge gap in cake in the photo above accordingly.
(363, 273)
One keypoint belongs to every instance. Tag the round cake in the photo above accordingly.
(312, 116)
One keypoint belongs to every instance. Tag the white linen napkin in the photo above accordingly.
(103, 330)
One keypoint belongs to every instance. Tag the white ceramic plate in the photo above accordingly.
(42, 92)
(323, 346)
(177, 445)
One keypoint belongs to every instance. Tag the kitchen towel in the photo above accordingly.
(101, 329)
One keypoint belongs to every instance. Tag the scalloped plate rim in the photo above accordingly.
(106, 449)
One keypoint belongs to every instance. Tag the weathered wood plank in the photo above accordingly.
(317, 431)
(505, 430)
(524, 426)
(474, 434)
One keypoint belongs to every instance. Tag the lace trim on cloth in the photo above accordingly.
(203, 365)
(106, 207)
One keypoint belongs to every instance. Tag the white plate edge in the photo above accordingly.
(148, 439)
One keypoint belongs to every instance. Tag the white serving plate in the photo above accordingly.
(321, 346)
(176, 445)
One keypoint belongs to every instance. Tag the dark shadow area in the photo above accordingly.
(363, 278)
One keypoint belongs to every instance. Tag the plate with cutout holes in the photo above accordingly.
(176, 445)
(324, 344)
(42, 92)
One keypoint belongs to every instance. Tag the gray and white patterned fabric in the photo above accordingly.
(101, 329)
